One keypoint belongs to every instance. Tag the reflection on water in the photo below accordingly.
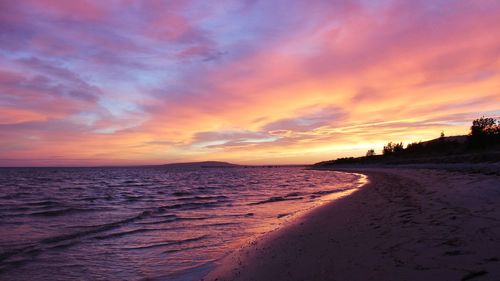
(145, 223)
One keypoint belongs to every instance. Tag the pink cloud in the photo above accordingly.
(253, 79)
(82, 10)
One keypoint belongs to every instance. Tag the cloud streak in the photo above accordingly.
(123, 82)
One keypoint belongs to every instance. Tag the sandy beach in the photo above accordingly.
(405, 224)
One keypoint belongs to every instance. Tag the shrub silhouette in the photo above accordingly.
(415, 148)
(370, 152)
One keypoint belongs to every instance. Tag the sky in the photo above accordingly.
(124, 82)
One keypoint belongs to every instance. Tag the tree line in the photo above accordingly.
(484, 133)
(483, 138)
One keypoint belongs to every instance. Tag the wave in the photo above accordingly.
(175, 219)
(219, 197)
(169, 243)
(19, 255)
(182, 193)
(43, 203)
(276, 199)
(193, 205)
(326, 192)
(185, 249)
(96, 229)
(59, 212)
(123, 233)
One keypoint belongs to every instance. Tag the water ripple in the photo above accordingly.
(99, 223)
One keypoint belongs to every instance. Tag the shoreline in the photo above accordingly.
(275, 223)
(405, 224)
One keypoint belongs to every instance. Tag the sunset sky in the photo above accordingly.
(251, 82)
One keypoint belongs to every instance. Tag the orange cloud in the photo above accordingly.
(134, 85)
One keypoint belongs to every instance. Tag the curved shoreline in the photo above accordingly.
(403, 225)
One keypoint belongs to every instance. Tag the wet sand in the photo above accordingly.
(406, 224)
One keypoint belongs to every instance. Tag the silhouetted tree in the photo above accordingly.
(388, 149)
(484, 132)
(482, 125)
(393, 148)
(370, 153)
(398, 148)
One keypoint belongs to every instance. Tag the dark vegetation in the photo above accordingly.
(482, 144)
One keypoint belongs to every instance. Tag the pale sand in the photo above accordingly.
(403, 225)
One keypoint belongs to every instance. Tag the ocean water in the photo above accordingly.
(152, 223)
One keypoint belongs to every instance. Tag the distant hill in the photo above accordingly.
(204, 164)
(459, 139)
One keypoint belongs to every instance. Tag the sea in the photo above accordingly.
(147, 223)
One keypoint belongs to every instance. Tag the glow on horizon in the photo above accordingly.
(252, 82)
